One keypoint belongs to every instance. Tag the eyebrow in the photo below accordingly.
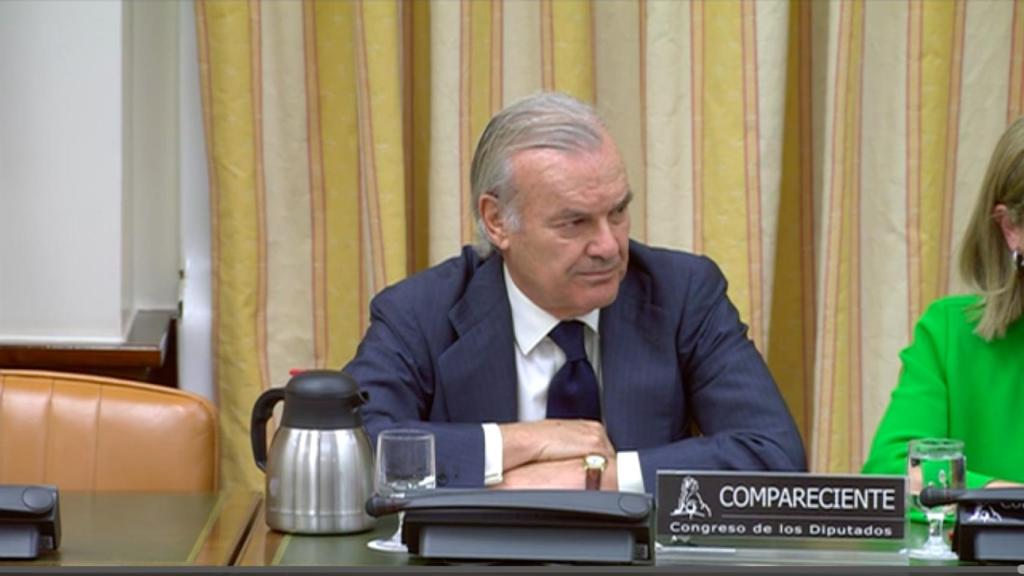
(625, 201)
(570, 214)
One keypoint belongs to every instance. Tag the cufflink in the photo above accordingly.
(594, 465)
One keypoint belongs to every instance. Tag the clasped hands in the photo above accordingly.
(549, 454)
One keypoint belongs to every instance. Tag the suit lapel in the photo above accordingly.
(478, 372)
(636, 338)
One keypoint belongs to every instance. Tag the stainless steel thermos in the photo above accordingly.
(320, 468)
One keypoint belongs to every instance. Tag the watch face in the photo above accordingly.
(595, 461)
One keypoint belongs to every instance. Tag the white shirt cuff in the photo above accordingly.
(494, 453)
(631, 477)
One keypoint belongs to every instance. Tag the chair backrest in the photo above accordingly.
(93, 433)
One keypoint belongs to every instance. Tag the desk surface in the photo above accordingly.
(268, 548)
(150, 529)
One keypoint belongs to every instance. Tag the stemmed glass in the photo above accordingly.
(937, 462)
(405, 464)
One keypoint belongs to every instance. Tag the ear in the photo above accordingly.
(1011, 232)
(494, 223)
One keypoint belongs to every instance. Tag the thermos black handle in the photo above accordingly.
(261, 413)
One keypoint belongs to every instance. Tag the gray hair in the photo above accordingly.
(550, 120)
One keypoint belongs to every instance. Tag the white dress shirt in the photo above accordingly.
(538, 358)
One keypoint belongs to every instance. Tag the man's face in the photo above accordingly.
(570, 250)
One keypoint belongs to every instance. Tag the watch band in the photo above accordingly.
(593, 466)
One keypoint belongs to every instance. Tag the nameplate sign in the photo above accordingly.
(774, 505)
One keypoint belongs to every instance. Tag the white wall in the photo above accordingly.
(128, 103)
(88, 167)
(103, 175)
(60, 171)
(155, 135)
(195, 365)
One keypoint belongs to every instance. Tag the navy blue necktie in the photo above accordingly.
(573, 391)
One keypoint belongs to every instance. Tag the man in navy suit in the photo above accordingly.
(467, 348)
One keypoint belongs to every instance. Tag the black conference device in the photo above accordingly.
(29, 520)
(990, 522)
(557, 526)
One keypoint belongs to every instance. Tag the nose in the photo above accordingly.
(604, 244)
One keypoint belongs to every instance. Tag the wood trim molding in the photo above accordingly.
(149, 346)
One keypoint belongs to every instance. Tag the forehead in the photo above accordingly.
(551, 170)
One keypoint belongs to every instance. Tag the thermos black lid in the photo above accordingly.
(324, 400)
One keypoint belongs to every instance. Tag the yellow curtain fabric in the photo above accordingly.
(304, 116)
(825, 154)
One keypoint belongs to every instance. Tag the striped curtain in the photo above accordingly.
(303, 114)
(825, 154)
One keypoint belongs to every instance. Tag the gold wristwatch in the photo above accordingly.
(594, 465)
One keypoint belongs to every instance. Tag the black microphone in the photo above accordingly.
(932, 496)
(378, 506)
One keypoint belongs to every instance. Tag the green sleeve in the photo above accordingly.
(977, 479)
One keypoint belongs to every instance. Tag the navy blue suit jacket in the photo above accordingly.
(439, 355)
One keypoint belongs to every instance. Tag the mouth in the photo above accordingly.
(600, 274)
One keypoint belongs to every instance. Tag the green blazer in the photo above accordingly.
(956, 385)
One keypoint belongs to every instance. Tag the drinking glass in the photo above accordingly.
(938, 462)
(405, 464)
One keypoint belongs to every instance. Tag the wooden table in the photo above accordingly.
(150, 529)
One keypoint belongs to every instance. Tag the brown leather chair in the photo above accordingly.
(94, 433)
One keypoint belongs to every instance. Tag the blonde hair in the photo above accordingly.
(985, 259)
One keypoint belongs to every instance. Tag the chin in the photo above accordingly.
(600, 299)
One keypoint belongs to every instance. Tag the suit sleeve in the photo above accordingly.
(393, 364)
(743, 421)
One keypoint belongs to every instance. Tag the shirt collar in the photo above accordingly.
(530, 322)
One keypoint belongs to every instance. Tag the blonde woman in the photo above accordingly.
(963, 374)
